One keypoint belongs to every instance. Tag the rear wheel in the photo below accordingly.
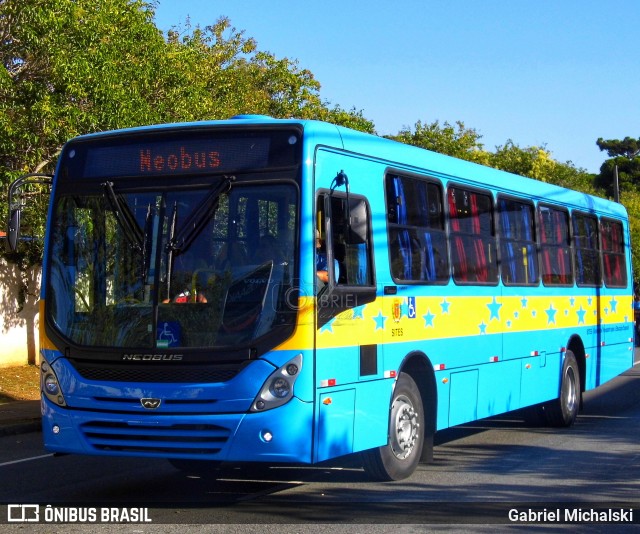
(563, 411)
(399, 458)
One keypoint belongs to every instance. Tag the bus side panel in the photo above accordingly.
(616, 334)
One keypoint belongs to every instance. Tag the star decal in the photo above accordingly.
(581, 313)
(428, 318)
(483, 328)
(445, 306)
(613, 304)
(551, 314)
(524, 302)
(326, 327)
(494, 309)
(380, 319)
(358, 313)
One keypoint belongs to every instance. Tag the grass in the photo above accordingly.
(19, 383)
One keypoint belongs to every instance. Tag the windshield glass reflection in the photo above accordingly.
(191, 268)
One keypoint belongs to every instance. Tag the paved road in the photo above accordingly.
(487, 467)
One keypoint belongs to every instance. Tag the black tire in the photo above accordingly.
(399, 458)
(563, 411)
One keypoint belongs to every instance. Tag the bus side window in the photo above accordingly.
(586, 249)
(555, 246)
(613, 256)
(519, 265)
(473, 242)
(415, 224)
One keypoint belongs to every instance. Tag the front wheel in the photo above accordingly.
(399, 458)
(563, 411)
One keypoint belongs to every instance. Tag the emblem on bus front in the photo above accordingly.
(150, 404)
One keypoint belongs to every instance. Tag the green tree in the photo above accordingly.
(457, 141)
(538, 163)
(625, 156)
(628, 147)
(78, 66)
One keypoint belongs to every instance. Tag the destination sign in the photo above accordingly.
(176, 157)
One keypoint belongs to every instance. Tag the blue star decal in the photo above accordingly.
(572, 301)
(483, 328)
(589, 300)
(508, 324)
(358, 313)
(445, 306)
(613, 304)
(428, 318)
(380, 319)
(494, 308)
(581, 313)
(404, 309)
(326, 327)
(551, 314)
(524, 302)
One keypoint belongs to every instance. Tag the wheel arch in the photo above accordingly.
(418, 365)
(576, 346)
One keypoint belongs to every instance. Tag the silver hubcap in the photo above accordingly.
(570, 397)
(404, 429)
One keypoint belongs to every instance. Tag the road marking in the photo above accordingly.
(26, 459)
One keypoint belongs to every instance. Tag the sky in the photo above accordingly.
(558, 74)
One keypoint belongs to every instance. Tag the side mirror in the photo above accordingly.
(16, 205)
(13, 233)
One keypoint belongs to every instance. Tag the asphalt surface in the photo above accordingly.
(18, 417)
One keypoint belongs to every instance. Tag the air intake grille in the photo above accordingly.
(201, 439)
(164, 374)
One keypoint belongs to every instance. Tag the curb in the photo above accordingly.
(12, 428)
(20, 417)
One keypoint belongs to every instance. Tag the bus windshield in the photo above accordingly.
(177, 267)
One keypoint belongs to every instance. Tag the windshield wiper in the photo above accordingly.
(125, 218)
(195, 222)
(198, 218)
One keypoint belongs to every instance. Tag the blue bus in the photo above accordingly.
(289, 291)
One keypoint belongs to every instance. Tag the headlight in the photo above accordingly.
(278, 388)
(50, 386)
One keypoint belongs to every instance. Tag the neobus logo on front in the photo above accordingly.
(152, 357)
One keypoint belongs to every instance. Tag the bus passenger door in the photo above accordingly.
(347, 357)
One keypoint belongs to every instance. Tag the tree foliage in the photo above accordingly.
(464, 143)
(72, 67)
(452, 140)
(628, 147)
(625, 159)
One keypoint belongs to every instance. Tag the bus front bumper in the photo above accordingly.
(281, 435)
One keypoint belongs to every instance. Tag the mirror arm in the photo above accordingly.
(15, 207)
